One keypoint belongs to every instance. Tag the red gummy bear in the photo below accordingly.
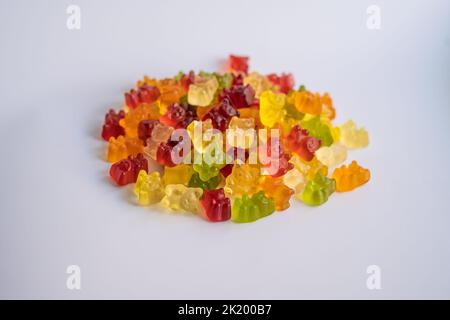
(111, 127)
(216, 207)
(187, 79)
(145, 129)
(238, 63)
(240, 96)
(301, 143)
(164, 152)
(126, 170)
(144, 94)
(285, 81)
(238, 80)
(281, 164)
(221, 115)
(179, 116)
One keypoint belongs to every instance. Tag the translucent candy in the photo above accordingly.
(180, 197)
(351, 177)
(352, 137)
(271, 107)
(180, 174)
(149, 188)
(201, 92)
(258, 82)
(242, 180)
(318, 190)
(333, 155)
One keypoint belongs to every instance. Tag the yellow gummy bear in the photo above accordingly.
(271, 107)
(201, 92)
(258, 82)
(295, 180)
(243, 179)
(196, 130)
(352, 137)
(180, 174)
(149, 188)
(240, 133)
(180, 197)
(309, 169)
(333, 155)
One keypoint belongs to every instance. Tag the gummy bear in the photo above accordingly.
(216, 206)
(149, 188)
(242, 180)
(309, 168)
(271, 107)
(221, 114)
(145, 129)
(333, 155)
(144, 94)
(121, 148)
(111, 126)
(240, 133)
(284, 83)
(238, 63)
(166, 150)
(318, 190)
(276, 165)
(351, 177)
(179, 116)
(276, 190)
(187, 79)
(308, 102)
(180, 197)
(240, 96)
(126, 170)
(160, 133)
(319, 130)
(196, 131)
(258, 82)
(328, 110)
(171, 92)
(249, 209)
(301, 143)
(180, 174)
(196, 182)
(207, 171)
(352, 137)
(142, 112)
(201, 92)
(295, 180)
(252, 112)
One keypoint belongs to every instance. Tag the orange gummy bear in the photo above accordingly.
(119, 148)
(328, 109)
(351, 177)
(308, 102)
(142, 112)
(275, 189)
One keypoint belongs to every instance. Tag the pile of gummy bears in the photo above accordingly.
(307, 157)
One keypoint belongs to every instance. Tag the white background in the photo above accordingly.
(58, 207)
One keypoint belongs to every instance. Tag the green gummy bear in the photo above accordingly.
(206, 171)
(249, 209)
(196, 182)
(318, 190)
(318, 130)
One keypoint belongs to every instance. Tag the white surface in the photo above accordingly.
(58, 207)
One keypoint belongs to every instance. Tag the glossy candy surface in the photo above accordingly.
(235, 145)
